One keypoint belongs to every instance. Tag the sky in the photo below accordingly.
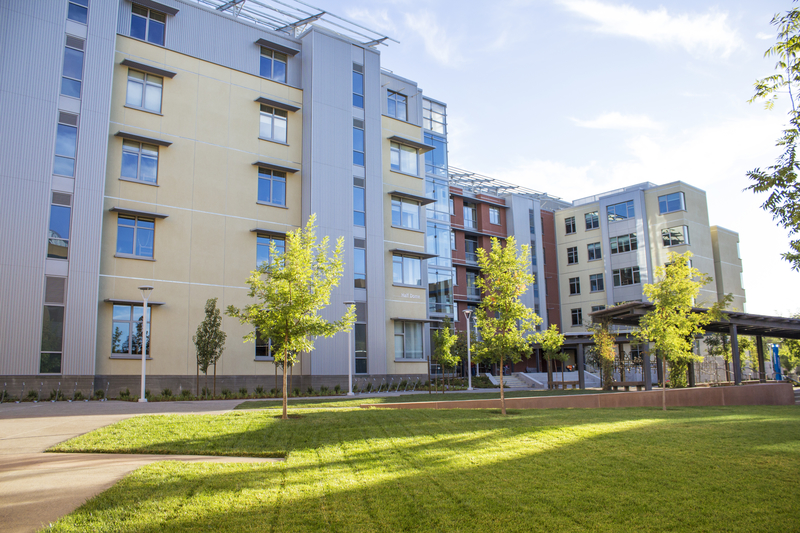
(578, 97)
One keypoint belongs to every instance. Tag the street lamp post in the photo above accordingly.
(468, 315)
(146, 290)
(350, 357)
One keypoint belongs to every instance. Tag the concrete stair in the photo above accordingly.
(508, 381)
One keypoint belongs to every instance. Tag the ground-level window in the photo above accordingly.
(126, 330)
(407, 340)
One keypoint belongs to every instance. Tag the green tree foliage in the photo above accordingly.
(671, 326)
(289, 293)
(209, 341)
(503, 320)
(444, 341)
(780, 180)
(551, 341)
(605, 351)
(789, 353)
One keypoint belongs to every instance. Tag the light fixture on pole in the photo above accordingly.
(468, 315)
(146, 290)
(350, 357)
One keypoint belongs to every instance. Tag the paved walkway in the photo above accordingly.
(37, 488)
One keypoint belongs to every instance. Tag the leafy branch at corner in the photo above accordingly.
(289, 293)
(780, 179)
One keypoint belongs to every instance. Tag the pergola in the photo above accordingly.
(737, 323)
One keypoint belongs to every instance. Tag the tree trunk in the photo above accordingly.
(197, 382)
(291, 377)
(285, 398)
(502, 390)
(276, 378)
(549, 374)
(214, 395)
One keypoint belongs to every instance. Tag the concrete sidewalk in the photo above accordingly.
(37, 488)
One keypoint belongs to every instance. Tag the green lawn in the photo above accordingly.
(375, 470)
(360, 399)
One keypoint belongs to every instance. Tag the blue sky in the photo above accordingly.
(576, 97)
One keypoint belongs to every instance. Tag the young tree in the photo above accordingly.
(780, 179)
(671, 325)
(551, 341)
(503, 320)
(605, 351)
(443, 341)
(289, 293)
(209, 341)
(460, 346)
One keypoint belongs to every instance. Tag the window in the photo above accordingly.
(624, 243)
(532, 222)
(434, 116)
(592, 220)
(494, 215)
(439, 191)
(78, 10)
(671, 202)
(397, 105)
(626, 276)
(470, 215)
(436, 159)
(66, 144)
(139, 161)
(126, 330)
(594, 250)
(264, 244)
(273, 65)
(438, 244)
(360, 334)
(135, 236)
(471, 248)
(360, 264)
(407, 340)
(358, 86)
(358, 142)
(738, 251)
(72, 71)
(574, 286)
(405, 213)
(263, 347)
(577, 317)
(452, 240)
(58, 231)
(620, 211)
(359, 207)
(404, 158)
(148, 25)
(596, 308)
(572, 255)
(472, 290)
(144, 91)
(406, 270)
(675, 236)
(271, 187)
(52, 326)
(452, 207)
(440, 290)
(569, 222)
(273, 124)
(596, 283)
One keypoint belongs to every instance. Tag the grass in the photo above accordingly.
(374, 470)
(361, 399)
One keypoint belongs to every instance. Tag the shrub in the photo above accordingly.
(125, 395)
(243, 390)
(368, 387)
(403, 384)
(310, 391)
(259, 390)
(324, 390)
(99, 394)
(166, 393)
(56, 395)
(337, 389)
(77, 395)
(186, 393)
(205, 392)
(33, 395)
(226, 393)
(147, 394)
(273, 393)
(296, 391)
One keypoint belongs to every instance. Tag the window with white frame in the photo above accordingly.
(592, 220)
(671, 202)
(434, 116)
(144, 91)
(569, 224)
(264, 249)
(572, 255)
(271, 187)
(620, 211)
(406, 270)
(72, 70)
(139, 161)
(470, 215)
(148, 25)
(405, 213)
(626, 276)
(595, 251)
(135, 236)
(404, 158)
(127, 330)
(358, 142)
(407, 340)
(273, 65)
(574, 286)
(675, 236)
(273, 124)
(360, 264)
(624, 243)
(397, 105)
(78, 10)
(577, 317)
(596, 283)
(494, 215)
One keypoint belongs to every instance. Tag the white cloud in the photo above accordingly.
(764, 36)
(699, 34)
(378, 20)
(438, 44)
(618, 121)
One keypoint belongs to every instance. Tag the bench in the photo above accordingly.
(565, 384)
(628, 384)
